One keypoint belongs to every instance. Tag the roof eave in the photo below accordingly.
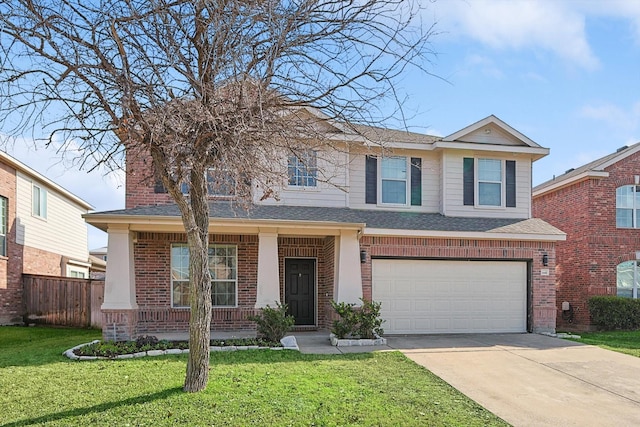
(535, 152)
(472, 235)
(559, 183)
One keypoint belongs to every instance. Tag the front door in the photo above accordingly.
(300, 289)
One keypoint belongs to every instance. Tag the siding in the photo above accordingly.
(496, 136)
(63, 232)
(430, 182)
(453, 206)
(331, 189)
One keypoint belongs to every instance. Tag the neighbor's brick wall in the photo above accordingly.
(543, 287)
(37, 261)
(587, 260)
(11, 306)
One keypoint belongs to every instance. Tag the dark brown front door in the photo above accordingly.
(300, 288)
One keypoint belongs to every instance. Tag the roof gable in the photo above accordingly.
(594, 169)
(491, 130)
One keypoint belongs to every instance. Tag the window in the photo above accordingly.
(4, 216)
(393, 171)
(627, 279)
(77, 274)
(489, 182)
(220, 183)
(39, 202)
(628, 206)
(223, 268)
(303, 171)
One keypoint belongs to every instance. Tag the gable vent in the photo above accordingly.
(622, 148)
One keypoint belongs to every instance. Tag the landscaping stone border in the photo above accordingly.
(288, 343)
(335, 341)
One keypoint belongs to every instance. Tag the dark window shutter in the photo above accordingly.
(371, 180)
(159, 186)
(416, 181)
(468, 181)
(510, 180)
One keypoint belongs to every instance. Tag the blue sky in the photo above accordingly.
(564, 73)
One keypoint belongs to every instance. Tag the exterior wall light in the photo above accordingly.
(545, 260)
(363, 256)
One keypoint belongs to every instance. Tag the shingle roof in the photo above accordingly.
(596, 165)
(371, 218)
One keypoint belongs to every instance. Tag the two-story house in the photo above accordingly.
(41, 232)
(597, 205)
(437, 229)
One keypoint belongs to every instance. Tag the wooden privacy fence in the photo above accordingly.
(63, 301)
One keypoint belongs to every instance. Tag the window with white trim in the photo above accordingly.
(303, 169)
(628, 206)
(393, 180)
(627, 278)
(489, 182)
(223, 261)
(4, 219)
(220, 183)
(39, 201)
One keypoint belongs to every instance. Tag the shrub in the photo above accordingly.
(611, 312)
(357, 322)
(273, 323)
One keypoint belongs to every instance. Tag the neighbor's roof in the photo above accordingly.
(16, 164)
(370, 220)
(594, 169)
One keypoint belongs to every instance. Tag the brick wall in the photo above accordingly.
(153, 285)
(37, 261)
(140, 182)
(543, 287)
(11, 307)
(587, 260)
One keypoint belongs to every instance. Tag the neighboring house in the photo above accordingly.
(598, 206)
(98, 260)
(437, 229)
(41, 232)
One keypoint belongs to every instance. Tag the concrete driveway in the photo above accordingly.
(526, 379)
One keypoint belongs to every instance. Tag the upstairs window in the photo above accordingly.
(220, 183)
(39, 201)
(489, 182)
(303, 169)
(393, 171)
(4, 217)
(628, 206)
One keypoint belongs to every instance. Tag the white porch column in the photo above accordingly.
(268, 292)
(348, 278)
(120, 284)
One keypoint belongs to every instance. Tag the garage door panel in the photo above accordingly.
(424, 296)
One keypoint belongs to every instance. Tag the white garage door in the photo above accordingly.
(437, 297)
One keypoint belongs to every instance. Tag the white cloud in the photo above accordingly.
(521, 24)
(483, 64)
(621, 119)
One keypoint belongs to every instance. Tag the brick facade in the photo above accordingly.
(11, 307)
(542, 297)
(587, 260)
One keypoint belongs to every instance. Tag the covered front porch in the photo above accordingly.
(304, 264)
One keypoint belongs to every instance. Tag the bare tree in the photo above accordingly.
(200, 85)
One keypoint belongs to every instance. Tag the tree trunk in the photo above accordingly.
(200, 287)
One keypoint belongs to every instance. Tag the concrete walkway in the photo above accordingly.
(526, 379)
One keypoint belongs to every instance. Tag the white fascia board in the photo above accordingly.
(16, 164)
(467, 235)
(554, 185)
(536, 152)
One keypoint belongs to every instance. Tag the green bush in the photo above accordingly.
(273, 323)
(611, 312)
(357, 322)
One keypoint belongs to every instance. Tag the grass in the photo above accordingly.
(627, 342)
(38, 386)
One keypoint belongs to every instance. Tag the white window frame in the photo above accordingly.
(184, 280)
(4, 224)
(635, 206)
(478, 181)
(406, 180)
(635, 278)
(304, 170)
(41, 196)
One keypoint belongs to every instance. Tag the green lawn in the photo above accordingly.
(627, 342)
(38, 386)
